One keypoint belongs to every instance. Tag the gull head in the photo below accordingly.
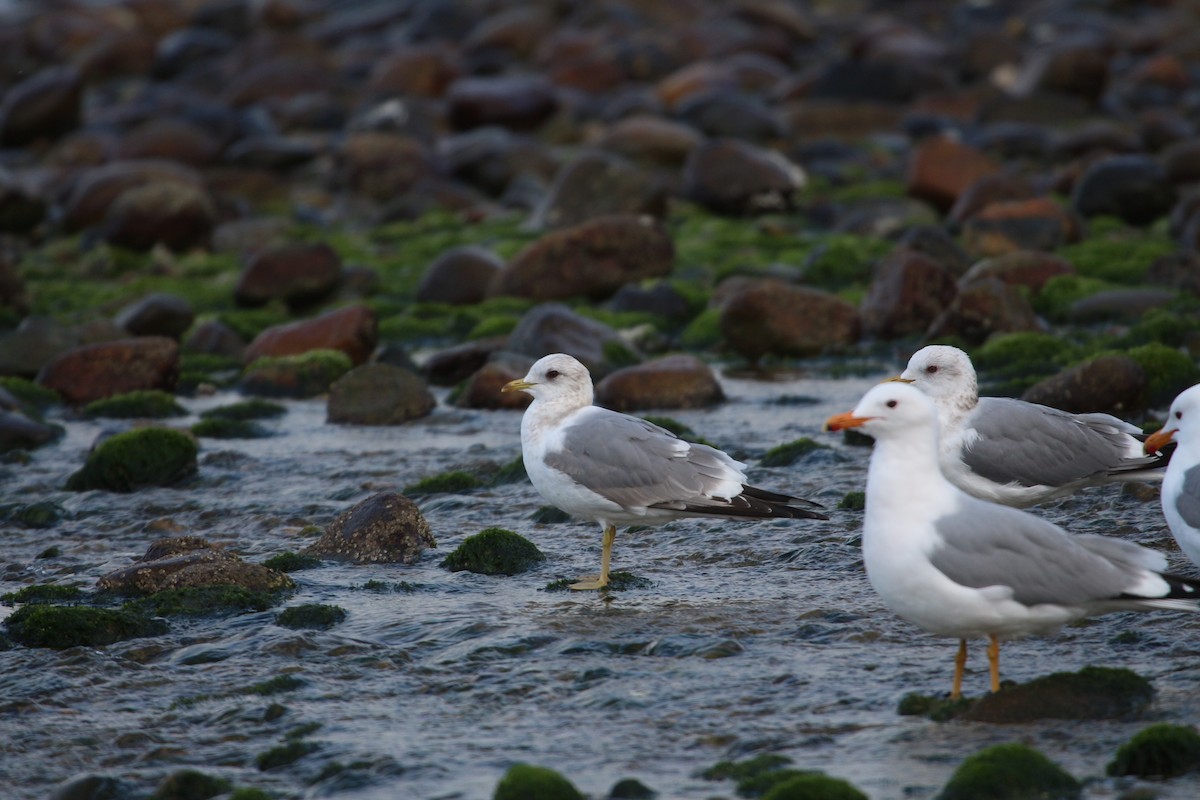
(942, 372)
(557, 376)
(1183, 418)
(890, 408)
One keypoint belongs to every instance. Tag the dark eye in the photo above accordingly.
(1178, 415)
(932, 368)
(891, 403)
(552, 374)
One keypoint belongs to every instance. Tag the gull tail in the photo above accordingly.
(757, 503)
(1183, 594)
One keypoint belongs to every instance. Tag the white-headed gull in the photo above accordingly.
(616, 469)
(1181, 486)
(1019, 453)
(963, 567)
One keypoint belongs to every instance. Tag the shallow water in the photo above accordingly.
(753, 637)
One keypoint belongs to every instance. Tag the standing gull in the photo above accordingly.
(1181, 486)
(1019, 453)
(959, 566)
(616, 469)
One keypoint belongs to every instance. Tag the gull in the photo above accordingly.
(1019, 453)
(1181, 486)
(963, 567)
(615, 469)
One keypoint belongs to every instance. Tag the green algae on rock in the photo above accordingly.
(190, 784)
(787, 453)
(225, 428)
(136, 459)
(621, 581)
(494, 551)
(1091, 693)
(747, 768)
(305, 375)
(38, 514)
(1168, 370)
(631, 789)
(199, 601)
(284, 754)
(854, 501)
(291, 562)
(1009, 772)
(1159, 751)
(254, 408)
(277, 685)
(60, 627)
(549, 515)
(813, 786)
(524, 781)
(1013, 362)
(43, 593)
(512, 472)
(444, 483)
(29, 394)
(314, 616)
(152, 403)
(938, 709)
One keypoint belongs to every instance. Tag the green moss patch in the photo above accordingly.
(703, 332)
(1159, 751)
(305, 375)
(813, 786)
(146, 403)
(789, 452)
(631, 789)
(277, 685)
(1059, 293)
(1011, 363)
(1118, 254)
(199, 601)
(1168, 370)
(29, 394)
(39, 514)
(311, 616)
(526, 781)
(60, 627)
(854, 501)
(292, 562)
(620, 581)
(255, 408)
(221, 428)
(44, 593)
(512, 472)
(1091, 693)
(190, 784)
(1010, 772)
(550, 515)
(494, 551)
(938, 709)
(135, 459)
(446, 482)
(284, 754)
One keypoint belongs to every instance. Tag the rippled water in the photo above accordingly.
(754, 637)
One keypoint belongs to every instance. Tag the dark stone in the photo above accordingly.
(1020, 268)
(20, 212)
(494, 551)
(554, 328)
(171, 139)
(19, 432)
(384, 528)
(1091, 693)
(174, 214)
(382, 166)
(214, 337)
(62, 627)
(378, 394)
(158, 314)
(90, 787)
(459, 276)
(454, 364)
(907, 292)
(661, 300)
(984, 307)
(938, 244)
(596, 185)
(44, 106)
(1179, 271)
(1129, 305)
(880, 81)
(1008, 226)
(35, 343)
(770, 317)
(731, 114)
(94, 371)
(191, 562)
(482, 388)
(1114, 384)
(299, 273)
(1134, 188)
(678, 381)
(521, 102)
(734, 177)
(652, 139)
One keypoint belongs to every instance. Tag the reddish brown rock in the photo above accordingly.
(985, 307)
(189, 561)
(459, 276)
(386, 528)
(176, 215)
(455, 364)
(941, 169)
(95, 371)
(699, 77)
(299, 273)
(1074, 65)
(907, 292)
(520, 102)
(482, 389)
(97, 188)
(44, 106)
(353, 330)
(591, 260)
(599, 185)
(771, 317)
(653, 139)
(170, 139)
(679, 381)
(382, 165)
(1113, 384)
(419, 70)
(989, 189)
(1027, 268)
(1006, 227)
(734, 177)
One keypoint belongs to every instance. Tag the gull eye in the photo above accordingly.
(552, 374)
(891, 403)
(1178, 415)
(932, 369)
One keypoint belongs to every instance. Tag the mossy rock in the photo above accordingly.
(938, 709)
(304, 375)
(209, 363)
(292, 562)
(512, 472)
(39, 514)
(1168, 370)
(1159, 751)
(854, 501)
(843, 261)
(526, 781)
(1091, 693)
(494, 551)
(250, 793)
(813, 786)
(1118, 254)
(43, 594)
(224, 428)
(550, 515)
(190, 784)
(60, 627)
(494, 326)
(1172, 327)
(703, 332)
(31, 395)
(747, 768)
(789, 452)
(284, 754)
(277, 685)
(631, 789)
(137, 459)
(311, 616)
(1011, 363)
(444, 483)
(1058, 294)
(200, 601)
(255, 408)
(1010, 772)
(146, 403)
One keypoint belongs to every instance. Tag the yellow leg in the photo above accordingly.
(601, 580)
(960, 664)
(994, 660)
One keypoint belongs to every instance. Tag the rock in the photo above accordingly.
(990, 189)
(136, 459)
(378, 394)
(813, 785)
(482, 389)
(157, 314)
(662, 300)
(771, 317)
(493, 159)
(982, 308)
(1026, 268)
(96, 189)
(191, 562)
(1077, 65)
(678, 381)
(459, 276)
(494, 551)
(523, 781)
(554, 328)
(734, 177)
(43, 106)
(353, 330)
(19, 432)
(272, 152)
(21, 211)
(1158, 752)
(423, 69)
(299, 273)
(13, 296)
(35, 343)
(306, 375)
(1091, 693)
(517, 102)
(142, 404)
(382, 166)
(936, 243)
(1181, 161)
(1179, 271)
(1129, 305)
(455, 364)
(215, 338)
(1005, 227)
(175, 215)
(245, 237)
(384, 528)
(941, 169)
(61, 627)
(1115, 384)
(592, 259)
(188, 46)
(596, 185)
(90, 372)
(907, 293)
(190, 784)
(883, 81)
(170, 139)
(1009, 771)
(1134, 188)
(652, 139)
(277, 79)
(732, 114)
(90, 787)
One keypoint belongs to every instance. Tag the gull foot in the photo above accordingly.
(589, 582)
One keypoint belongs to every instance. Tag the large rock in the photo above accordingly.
(678, 381)
(135, 459)
(482, 388)
(1128, 305)
(299, 273)
(459, 276)
(353, 330)
(652, 139)
(175, 215)
(596, 186)
(171, 139)
(1020, 268)
(1006, 227)
(771, 317)
(984, 307)
(19, 432)
(734, 177)
(95, 190)
(157, 314)
(385, 528)
(554, 328)
(907, 292)
(382, 166)
(215, 338)
(378, 394)
(940, 169)
(44, 106)
(188, 562)
(455, 364)
(1134, 188)
(95, 371)
(1114, 384)
(33, 345)
(591, 260)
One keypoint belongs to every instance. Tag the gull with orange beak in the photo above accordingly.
(615, 469)
(1181, 486)
(959, 566)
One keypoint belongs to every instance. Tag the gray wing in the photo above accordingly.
(984, 544)
(636, 464)
(1034, 445)
(1188, 502)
